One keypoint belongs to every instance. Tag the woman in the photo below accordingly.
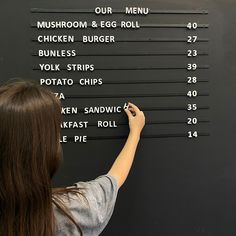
(30, 154)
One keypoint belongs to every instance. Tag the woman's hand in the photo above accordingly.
(136, 118)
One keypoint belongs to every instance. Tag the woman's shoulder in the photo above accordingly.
(93, 206)
(81, 190)
(105, 182)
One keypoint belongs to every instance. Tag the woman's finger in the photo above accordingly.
(131, 109)
(128, 112)
(136, 109)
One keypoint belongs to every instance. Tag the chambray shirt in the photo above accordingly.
(93, 215)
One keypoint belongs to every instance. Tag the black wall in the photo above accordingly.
(178, 185)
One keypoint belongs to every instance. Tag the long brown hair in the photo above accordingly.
(30, 154)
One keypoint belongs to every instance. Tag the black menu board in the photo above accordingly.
(173, 59)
